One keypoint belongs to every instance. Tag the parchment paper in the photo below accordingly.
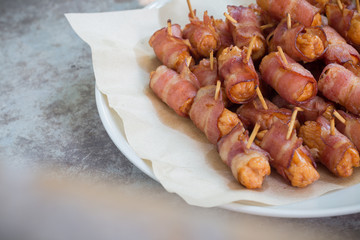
(182, 159)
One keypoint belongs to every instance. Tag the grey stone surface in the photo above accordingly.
(48, 116)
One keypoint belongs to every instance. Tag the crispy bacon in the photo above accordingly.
(351, 128)
(336, 152)
(290, 80)
(342, 86)
(289, 157)
(202, 35)
(205, 75)
(300, 10)
(240, 77)
(247, 26)
(206, 111)
(173, 89)
(339, 51)
(249, 166)
(311, 110)
(253, 112)
(299, 42)
(224, 32)
(171, 50)
(346, 22)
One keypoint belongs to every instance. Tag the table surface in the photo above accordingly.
(50, 125)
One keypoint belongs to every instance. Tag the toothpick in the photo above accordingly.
(338, 116)
(217, 91)
(211, 60)
(253, 135)
(190, 9)
(270, 25)
(282, 55)
(230, 18)
(262, 100)
(169, 27)
(251, 45)
(332, 126)
(340, 5)
(288, 20)
(292, 122)
(188, 61)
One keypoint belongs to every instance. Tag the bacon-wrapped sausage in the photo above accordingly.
(345, 21)
(299, 42)
(290, 80)
(300, 10)
(336, 152)
(289, 157)
(210, 115)
(340, 85)
(240, 77)
(170, 49)
(247, 26)
(254, 112)
(249, 166)
(175, 90)
(202, 35)
(311, 110)
(205, 75)
(351, 128)
(339, 51)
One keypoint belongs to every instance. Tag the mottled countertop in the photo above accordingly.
(49, 124)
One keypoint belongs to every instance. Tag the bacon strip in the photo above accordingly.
(202, 35)
(249, 166)
(299, 42)
(253, 112)
(224, 32)
(336, 152)
(340, 85)
(240, 77)
(339, 51)
(248, 25)
(351, 128)
(171, 50)
(204, 74)
(173, 89)
(346, 22)
(291, 81)
(283, 153)
(311, 110)
(300, 10)
(206, 111)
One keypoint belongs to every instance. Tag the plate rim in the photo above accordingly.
(119, 140)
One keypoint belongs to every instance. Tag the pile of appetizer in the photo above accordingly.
(274, 85)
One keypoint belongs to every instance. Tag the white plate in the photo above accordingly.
(340, 202)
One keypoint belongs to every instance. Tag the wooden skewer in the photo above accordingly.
(332, 126)
(230, 18)
(251, 46)
(211, 60)
(270, 25)
(340, 5)
(217, 91)
(292, 122)
(169, 30)
(253, 135)
(338, 116)
(262, 100)
(358, 6)
(282, 55)
(288, 20)
(188, 61)
(190, 9)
